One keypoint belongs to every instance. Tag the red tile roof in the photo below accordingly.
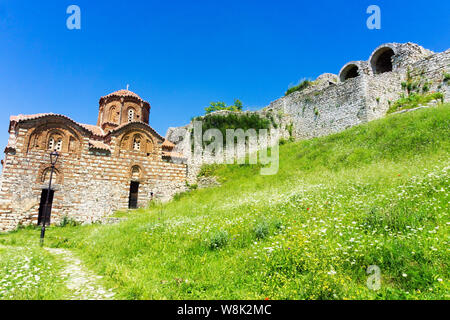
(123, 93)
(136, 122)
(173, 155)
(24, 117)
(168, 144)
(95, 144)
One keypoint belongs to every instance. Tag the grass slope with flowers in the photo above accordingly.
(376, 194)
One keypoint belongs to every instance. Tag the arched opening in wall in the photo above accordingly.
(55, 143)
(136, 175)
(113, 114)
(45, 207)
(137, 142)
(351, 71)
(382, 61)
(131, 114)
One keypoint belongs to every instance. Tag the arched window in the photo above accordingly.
(135, 173)
(137, 143)
(130, 115)
(113, 114)
(55, 142)
(58, 146)
(51, 144)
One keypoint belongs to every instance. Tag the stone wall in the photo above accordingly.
(334, 103)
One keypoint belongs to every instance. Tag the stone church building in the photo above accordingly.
(119, 163)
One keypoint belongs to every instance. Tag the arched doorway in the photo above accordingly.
(350, 71)
(381, 61)
(136, 175)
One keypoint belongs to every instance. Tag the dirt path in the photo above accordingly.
(81, 281)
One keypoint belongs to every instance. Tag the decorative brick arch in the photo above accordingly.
(44, 170)
(136, 172)
(113, 113)
(126, 141)
(38, 137)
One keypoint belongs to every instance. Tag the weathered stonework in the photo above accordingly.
(361, 92)
(96, 165)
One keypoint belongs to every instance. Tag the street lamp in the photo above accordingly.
(53, 159)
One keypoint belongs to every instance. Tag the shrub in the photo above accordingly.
(208, 170)
(446, 77)
(301, 86)
(66, 221)
(218, 106)
(414, 100)
(232, 121)
(218, 240)
(261, 229)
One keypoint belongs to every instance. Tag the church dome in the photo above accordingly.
(123, 93)
(121, 107)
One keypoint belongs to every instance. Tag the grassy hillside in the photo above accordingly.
(376, 194)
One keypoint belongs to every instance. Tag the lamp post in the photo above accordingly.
(53, 159)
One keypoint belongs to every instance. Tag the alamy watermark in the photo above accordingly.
(238, 146)
(374, 20)
(374, 279)
(73, 22)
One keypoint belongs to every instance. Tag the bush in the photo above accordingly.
(446, 77)
(261, 230)
(218, 106)
(66, 221)
(301, 86)
(218, 240)
(414, 100)
(232, 121)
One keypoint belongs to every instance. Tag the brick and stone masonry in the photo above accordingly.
(96, 168)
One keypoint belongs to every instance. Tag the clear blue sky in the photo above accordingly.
(181, 55)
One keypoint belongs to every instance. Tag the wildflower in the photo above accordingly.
(404, 275)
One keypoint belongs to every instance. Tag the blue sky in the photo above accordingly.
(181, 55)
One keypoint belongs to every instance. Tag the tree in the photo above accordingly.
(220, 105)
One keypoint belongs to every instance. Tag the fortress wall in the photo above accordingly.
(382, 89)
(433, 68)
(326, 111)
(364, 94)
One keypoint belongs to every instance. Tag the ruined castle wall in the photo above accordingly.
(381, 90)
(433, 68)
(87, 187)
(326, 111)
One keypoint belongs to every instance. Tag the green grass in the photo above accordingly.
(376, 194)
(414, 100)
(301, 86)
(30, 274)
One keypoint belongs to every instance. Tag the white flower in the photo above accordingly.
(404, 275)
(332, 272)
